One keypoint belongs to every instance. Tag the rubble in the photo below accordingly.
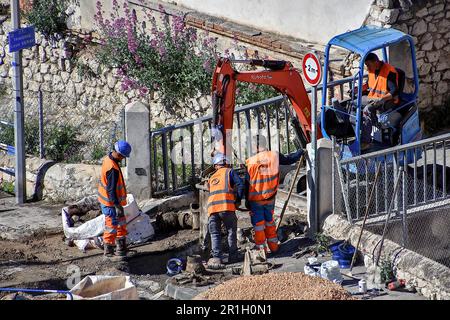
(277, 286)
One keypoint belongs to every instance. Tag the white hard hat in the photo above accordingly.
(220, 158)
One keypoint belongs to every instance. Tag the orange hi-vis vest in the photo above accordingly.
(378, 87)
(263, 170)
(121, 191)
(221, 194)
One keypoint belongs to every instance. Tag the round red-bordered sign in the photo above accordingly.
(312, 69)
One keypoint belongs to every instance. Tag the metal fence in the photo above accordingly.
(191, 141)
(56, 127)
(403, 192)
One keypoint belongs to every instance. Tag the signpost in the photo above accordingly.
(312, 71)
(21, 39)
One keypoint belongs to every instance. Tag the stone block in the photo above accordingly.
(45, 68)
(111, 81)
(446, 75)
(444, 63)
(405, 4)
(427, 46)
(432, 27)
(422, 13)
(442, 87)
(419, 28)
(433, 56)
(440, 43)
(402, 27)
(389, 15)
(436, 9)
(405, 15)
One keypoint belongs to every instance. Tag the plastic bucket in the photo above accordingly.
(334, 247)
(346, 249)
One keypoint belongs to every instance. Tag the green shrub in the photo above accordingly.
(386, 271)
(7, 186)
(169, 58)
(323, 241)
(48, 16)
(60, 141)
(98, 152)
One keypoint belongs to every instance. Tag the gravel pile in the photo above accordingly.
(277, 286)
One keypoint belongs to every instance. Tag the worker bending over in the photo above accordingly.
(112, 195)
(262, 185)
(222, 204)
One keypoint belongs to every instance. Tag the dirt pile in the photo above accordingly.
(277, 286)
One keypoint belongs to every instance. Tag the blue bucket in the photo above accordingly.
(347, 250)
(334, 247)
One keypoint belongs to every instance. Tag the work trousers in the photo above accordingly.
(261, 215)
(114, 227)
(215, 220)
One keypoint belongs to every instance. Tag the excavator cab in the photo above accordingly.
(343, 118)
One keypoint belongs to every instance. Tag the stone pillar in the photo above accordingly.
(137, 132)
(324, 181)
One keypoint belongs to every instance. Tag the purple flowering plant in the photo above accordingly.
(157, 53)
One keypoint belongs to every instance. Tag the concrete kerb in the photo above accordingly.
(431, 279)
(166, 204)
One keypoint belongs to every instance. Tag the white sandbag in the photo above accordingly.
(89, 229)
(131, 209)
(140, 229)
(105, 288)
(330, 270)
(139, 226)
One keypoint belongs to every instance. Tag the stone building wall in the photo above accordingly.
(428, 22)
(79, 91)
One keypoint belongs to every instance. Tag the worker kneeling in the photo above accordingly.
(222, 208)
(262, 185)
(112, 195)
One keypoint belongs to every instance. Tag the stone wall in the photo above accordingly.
(429, 278)
(78, 91)
(62, 182)
(429, 24)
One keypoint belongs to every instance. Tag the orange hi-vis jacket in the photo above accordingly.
(263, 170)
(378, 87)
(221, 194)
(121, 191)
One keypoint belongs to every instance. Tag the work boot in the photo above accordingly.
(121, 247)
(215, 264)
(108, 250)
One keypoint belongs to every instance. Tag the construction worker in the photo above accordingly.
(262, 185)
(112, 195)
(380, 93)
(222, 204)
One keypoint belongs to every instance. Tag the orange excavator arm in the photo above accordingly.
(281, 75)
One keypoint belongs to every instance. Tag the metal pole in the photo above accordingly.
(333, 176)
(20, 184)
(315, 194)
(41, 126)
(388, 215)
(405, 203)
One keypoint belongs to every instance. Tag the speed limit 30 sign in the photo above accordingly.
(312, 69)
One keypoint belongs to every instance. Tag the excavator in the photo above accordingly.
(280, 75)
(400, 125)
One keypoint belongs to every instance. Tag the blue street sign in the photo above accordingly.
(21, 39)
